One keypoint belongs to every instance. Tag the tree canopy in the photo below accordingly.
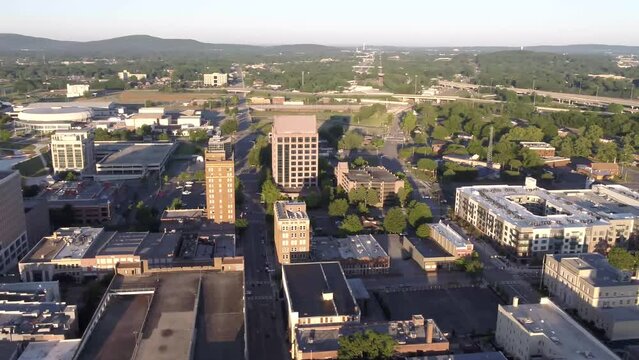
(368, 345)
(395, 221)
(351, 224)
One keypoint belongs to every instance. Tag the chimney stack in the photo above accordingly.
(430, 325)
(515, 301)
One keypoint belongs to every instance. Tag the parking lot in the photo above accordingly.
(457, 311)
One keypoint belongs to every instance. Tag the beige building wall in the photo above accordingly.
(13, 227)
(72, 150)
(215, 79)
(294, 151)
(292, 232)
(220, 187)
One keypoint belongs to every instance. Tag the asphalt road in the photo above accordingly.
(265, 324)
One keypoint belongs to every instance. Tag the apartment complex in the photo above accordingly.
(371, 177)
(358, 254)
(294, 151)
(544, 331)
(322, 308)
(13, 227)
(596, 290)
(77, 90)
(215, 79)
(542, 149)
(531, 221)
(73, 150)
(292, 230)
(220, 180)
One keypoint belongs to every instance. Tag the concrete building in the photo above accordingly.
(427, 253)
(126, 160)
(531, 221)
(371, 177)
(78, 90)
(358, 254)
(92, 202)
(36, 212)
(599, 170)
(450, 240)
(294, 151)
(321, 308)
(220, 180)
(148, 116)
(544, 331)
(73, 150)
(125, 75)
(597, 291)
(33, 312)
(215, 79)
(540, 148)
(292, 231)
(13, 233)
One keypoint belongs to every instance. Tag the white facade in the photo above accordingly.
(126, 76)
(72, 150)
(215, 79)
(79, 90)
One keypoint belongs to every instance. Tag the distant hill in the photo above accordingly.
(149, 45)
(142, 45)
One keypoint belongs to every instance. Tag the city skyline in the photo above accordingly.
(456, 24)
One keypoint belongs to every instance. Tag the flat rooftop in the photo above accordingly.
(307, 283)
(143, 154)
(430, 249)
(294, 124)
(50, 350)
(602, 274)
(67, 243)
(80, 193)
(285, 210)
(381, 174)
(359, 247)
(123, 243)
(159, 246)
(449, 233)
(407, 332)
(492, 355)
(568, 337)
(536, 145)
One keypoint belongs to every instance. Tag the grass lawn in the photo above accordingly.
(17, 146)
(378, 119)
(33, 167)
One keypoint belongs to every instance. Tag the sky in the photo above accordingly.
(333, 22)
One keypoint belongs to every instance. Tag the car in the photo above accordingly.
(186, 192)
(178, 187)
(189, 183)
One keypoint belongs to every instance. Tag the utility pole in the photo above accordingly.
(489, 155)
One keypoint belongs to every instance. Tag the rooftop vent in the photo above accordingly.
(327, 295)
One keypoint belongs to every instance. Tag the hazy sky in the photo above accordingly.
(333, 22)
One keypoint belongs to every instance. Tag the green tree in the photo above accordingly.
(378, 143)
(164, 137)
(198, 136)
(403, 195)
(143, 130)
(270, 194)
(423, 231)
(615, 108)
(372, 197)
(427, 164)
(419, 213)
(440, 132)
(593, 133)
(338, 207)
(5, 135)
(409, 122)
(395, 221)
(606, 152)
(351, 224)
(367, 345)
(70, 176)
(360, 162)
(313, 199)
(241, 224)
(471, 263)
(622, 259)
(357, 194)
(229, 126)
(175, 204)
(583, 147)
(405, 153)
(351, 140)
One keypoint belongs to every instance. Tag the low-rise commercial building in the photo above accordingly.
(450, 240)
(540, 148)
(531, 221)
(427, 253)
(544, 331)
(597, 291)
(599, 170)
(73, 150)
(215, 79)
(13, 226)
(292, 231)
(371, 177)
(33, 312)
(77, 90)
(125, 75)
(125, 160)
(358, 254)
(90, 202)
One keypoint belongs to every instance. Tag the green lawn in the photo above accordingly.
(33, 167)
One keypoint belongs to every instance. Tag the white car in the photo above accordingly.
(186, 192)
(189, 183)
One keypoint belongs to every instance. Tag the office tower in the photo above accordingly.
(295, 151)
(73, 150)
(13, 228)
(292, 229)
